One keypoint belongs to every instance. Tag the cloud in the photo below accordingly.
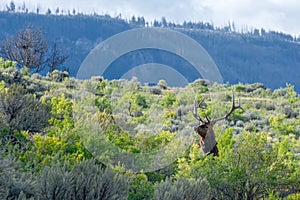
(270, 14)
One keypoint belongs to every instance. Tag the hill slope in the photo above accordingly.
(59, 133)
(270, 58)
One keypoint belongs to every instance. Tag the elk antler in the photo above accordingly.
(233, 108)
(196, 113)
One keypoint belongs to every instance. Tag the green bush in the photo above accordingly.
(140, 188)
(5, 64)
(21, 111)
(162, 84)
(168, 100)
(183, 188)
(57, 76)
(253, 162)
(11, 75)
(103, 103)
(86, 180)
(13, 183)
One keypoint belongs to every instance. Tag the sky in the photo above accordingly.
(277, 15)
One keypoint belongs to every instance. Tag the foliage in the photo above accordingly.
(183, 188)
(61, 112)
(281, 125)
(85, 180)
(2, 86)
(61, 142)
(168, 100)
(103, 104)
(13, 183)
(162, 84)
(25, 71)
(138, 100)
(253, 168)
(57, 76)
(251, 51)
(21, 111)
(4, 64)
(248, 167)
(140, 188)
(11, 76)
(259, 149)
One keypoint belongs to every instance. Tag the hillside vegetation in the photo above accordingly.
(53, 127)
(247, 56)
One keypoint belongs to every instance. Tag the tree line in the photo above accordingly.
(163, 22)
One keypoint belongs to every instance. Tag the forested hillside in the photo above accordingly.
(58, 136)
(255, 55)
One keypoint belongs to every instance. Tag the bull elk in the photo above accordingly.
(205, 130)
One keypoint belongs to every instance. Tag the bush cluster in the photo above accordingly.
(43, 156)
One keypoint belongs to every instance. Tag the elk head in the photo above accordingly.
(205, 130)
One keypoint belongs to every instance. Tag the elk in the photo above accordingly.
(205, 130)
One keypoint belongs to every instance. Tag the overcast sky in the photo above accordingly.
(278, 15)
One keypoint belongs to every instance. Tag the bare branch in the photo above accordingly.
(29, 49)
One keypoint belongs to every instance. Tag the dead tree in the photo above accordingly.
(29, 49)
(56, 58)
(205, 130)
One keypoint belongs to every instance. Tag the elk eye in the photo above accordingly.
(203, 126)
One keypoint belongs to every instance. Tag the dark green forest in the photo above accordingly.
(53, 127)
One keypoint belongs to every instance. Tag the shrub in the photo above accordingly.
(240, 88)
(183, 188)
(11, 75)
(97, 78)
(253, 87)
(13, 184)
(168, 100)
(25, 71)
(86, 180)
(240, 123)
(140, 188)
(70, 83)
(155, 90)
(4, 64)
(251, 116)
(138, 100)
(58, 76)
(253, 162)
(270, 107)
(289, 112)
(258, 105)
(201, 82)
(37, 76)
(162, 84)
(280, 125)
(103, 103)
(23, 111)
